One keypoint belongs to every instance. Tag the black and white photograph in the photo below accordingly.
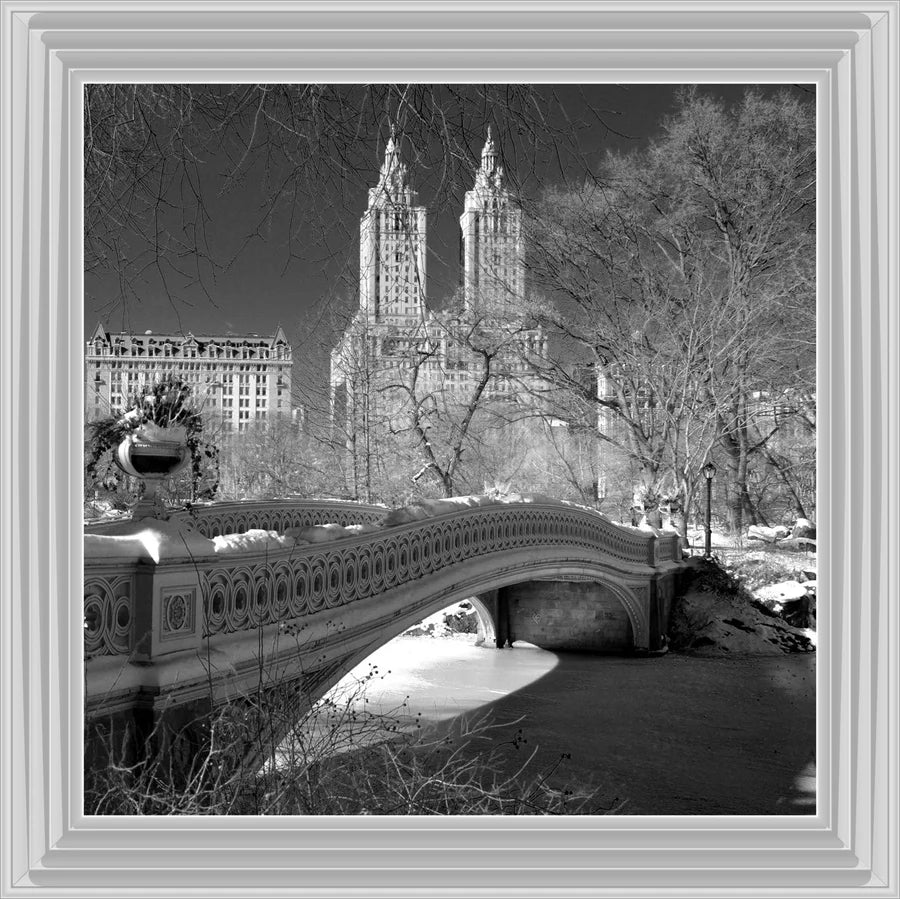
(450, 449)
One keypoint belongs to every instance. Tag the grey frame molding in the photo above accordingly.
(847, 48)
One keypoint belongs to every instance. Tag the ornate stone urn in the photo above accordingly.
(152, 454)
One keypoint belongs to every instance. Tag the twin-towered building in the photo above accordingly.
(393, 245)
(394, 337)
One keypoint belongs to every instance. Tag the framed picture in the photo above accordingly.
(846, 52)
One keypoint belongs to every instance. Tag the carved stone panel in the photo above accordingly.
(177, 613)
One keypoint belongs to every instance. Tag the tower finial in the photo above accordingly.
(489, 148)
(489, 155)
(390, 149)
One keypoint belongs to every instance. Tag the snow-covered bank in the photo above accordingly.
(716, 615)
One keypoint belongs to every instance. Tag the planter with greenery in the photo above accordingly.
(151, 440)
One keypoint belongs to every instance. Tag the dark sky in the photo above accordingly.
(264, 286)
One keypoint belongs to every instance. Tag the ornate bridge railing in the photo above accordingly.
(220, 593)
(270, 515)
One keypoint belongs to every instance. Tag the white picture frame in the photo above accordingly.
(848, 49)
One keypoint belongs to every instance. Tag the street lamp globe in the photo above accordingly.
(709, 471)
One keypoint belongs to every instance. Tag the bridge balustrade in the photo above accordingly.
(270, 515)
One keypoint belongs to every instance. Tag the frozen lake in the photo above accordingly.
(669, 735)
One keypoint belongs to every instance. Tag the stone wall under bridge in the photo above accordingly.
(576, 615)
(175, 637)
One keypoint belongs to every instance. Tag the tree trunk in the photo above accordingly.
(756, 516)
(775, 462)
(736, 443)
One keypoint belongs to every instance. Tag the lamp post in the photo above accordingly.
(709, 472)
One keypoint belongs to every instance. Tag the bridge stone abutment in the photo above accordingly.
(567, 615)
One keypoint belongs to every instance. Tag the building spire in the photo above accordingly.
(489, 155)
(490, 174)
(391, 148)
(391, 152)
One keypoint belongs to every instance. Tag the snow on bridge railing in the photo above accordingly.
(213, 519)
(243, 582)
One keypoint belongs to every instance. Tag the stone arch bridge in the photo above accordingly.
(183, 629)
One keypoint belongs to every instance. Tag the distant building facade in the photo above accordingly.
(242, 379)
(393, 336)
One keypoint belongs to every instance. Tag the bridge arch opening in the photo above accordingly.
(552, 611)
(452, 618)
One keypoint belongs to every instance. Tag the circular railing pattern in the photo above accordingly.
(245, 594)
(108, 614)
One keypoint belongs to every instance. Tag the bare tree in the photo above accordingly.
(631, 334)
(273, 458)
(749, 173)
(683, 276)
(454, 385)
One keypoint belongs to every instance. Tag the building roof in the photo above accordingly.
(100, 333)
